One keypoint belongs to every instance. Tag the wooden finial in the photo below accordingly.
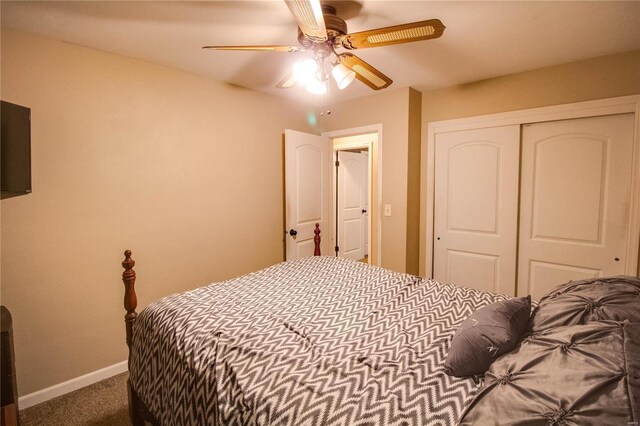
(130, 297)
(128, 263)
(316, 240)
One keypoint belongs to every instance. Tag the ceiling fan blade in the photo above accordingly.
(405, 33)
(308, 13)
(260, 48)
(288, 82)
(365, 72)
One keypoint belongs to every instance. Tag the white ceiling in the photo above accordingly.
(482, 39)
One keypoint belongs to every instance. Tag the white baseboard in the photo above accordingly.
(43, 395)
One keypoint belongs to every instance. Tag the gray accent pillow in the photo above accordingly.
(487, 334)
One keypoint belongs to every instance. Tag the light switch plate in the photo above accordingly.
(387, 209)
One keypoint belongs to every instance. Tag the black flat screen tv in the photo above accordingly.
(15, 150)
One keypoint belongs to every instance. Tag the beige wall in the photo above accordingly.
(597, 78)
(413, 182)
(392, 109)
(183, 170)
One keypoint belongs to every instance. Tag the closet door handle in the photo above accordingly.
(293, 232)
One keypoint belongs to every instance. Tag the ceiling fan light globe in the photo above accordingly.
(316, 87)
(305, 71)
(343, 76)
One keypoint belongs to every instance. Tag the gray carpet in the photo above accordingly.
(101, 404)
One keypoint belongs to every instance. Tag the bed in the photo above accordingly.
(314, 341)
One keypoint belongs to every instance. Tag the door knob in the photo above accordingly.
(364, 211)
(293, 232)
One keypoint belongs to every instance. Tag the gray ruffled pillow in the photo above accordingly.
(487, 334)
(593, 299)
(571, 375)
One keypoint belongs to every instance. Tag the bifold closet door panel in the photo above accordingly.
(476, 208)
(575, 195)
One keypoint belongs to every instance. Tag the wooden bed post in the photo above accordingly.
(316, 240)
(138, 411)
(130, 298)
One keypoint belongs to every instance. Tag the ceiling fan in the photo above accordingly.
(322, 31)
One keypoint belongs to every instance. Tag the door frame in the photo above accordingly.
(609, 106)
(375, 218)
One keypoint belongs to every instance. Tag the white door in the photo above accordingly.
(476, 208)
(307, 191)
(366, 203)
(352, 194)
(576, 189)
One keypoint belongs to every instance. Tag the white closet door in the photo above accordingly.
(576, 189)
(476, 208)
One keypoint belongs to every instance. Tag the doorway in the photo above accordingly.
(352, 190)
(309, 183)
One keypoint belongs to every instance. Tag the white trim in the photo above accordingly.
(374, 128)
(60, 389)
(619, 105)
(596, 108)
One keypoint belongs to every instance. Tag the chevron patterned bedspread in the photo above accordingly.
(314, 341)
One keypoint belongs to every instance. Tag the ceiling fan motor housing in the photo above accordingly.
(334, 24)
